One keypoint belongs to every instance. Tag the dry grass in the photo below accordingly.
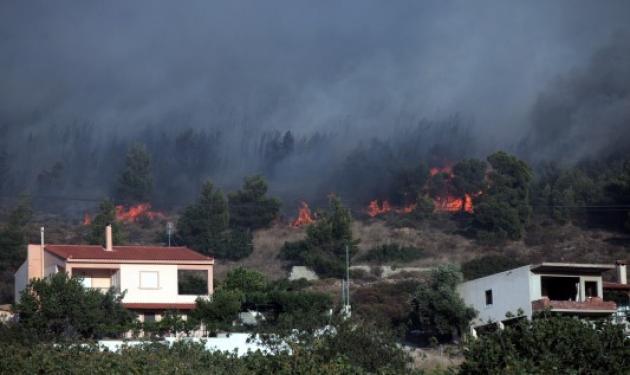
(553, 243)
(267, 245)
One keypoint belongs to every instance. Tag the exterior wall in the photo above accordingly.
(21, 280)
(35, 261)
(167, 284)
(52, 264)
(510, 291)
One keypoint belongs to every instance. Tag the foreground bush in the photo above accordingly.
(189, 358)
(552, 345)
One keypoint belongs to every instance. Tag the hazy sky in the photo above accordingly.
(304, 65)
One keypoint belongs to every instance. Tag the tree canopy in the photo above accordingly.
(250, 208)
(60, 308)
(550, 345)
(135, 183)
(437, 308)
(326, 241)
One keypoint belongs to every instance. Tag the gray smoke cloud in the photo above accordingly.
(357, 69)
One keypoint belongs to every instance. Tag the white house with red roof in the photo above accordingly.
(154, 278)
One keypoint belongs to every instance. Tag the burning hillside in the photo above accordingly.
(305, 217)
(131, 214)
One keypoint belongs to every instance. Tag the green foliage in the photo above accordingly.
(135, 183)
(187, 358)
(247, 281)
(236, 244)
(407, 183)
(249, 208)
(204, 226)
(502, 211)
(550, 345)
(106, 216)
(324, 247)
(219, 312)
(424, 207)
(488, 265)
(437, 308)
(13, 240)
(171, 323)
(60, 308)
(469, 176)
(364, 345)
(389, 253)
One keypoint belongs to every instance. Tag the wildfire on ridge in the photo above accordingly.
(135, 212)
(87, 219)
(453, 204)
(304, 216)
(374, 209)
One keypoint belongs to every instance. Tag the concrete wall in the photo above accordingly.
(21, 280)
(166, 292)
(510, 291)
(52, 263)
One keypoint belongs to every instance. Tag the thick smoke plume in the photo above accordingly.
(300, 91)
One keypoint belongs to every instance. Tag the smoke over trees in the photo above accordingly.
(335, 97)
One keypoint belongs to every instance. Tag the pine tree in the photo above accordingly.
(135, 183)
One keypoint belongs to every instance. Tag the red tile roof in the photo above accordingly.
(126, 253)
(159, 306)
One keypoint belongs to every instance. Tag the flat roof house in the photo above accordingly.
(154, 278)
(568, 288)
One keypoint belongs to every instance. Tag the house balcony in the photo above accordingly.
(590, 306)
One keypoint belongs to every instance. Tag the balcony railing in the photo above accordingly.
(590, 305)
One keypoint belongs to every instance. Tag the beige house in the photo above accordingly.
(154, 278)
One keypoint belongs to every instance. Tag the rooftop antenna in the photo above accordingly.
(169, 230)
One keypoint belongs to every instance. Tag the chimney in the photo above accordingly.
(108, 238)
(622, 276)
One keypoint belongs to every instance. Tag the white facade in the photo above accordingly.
(505, 293)
(164, 292)
(511, 290)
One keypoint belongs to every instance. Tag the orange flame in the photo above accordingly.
(135, 212)
(304, 216)
(374, 209)
(407, 209)
(454, 204)
(87, 219)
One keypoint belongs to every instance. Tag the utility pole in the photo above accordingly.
(346, 307)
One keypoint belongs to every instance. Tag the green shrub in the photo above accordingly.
(392, 253)
(324, 248)
(550, 345)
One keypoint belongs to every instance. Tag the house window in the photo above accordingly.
(192, 282)
(149, 280)
(590, 288)
(488, 297)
